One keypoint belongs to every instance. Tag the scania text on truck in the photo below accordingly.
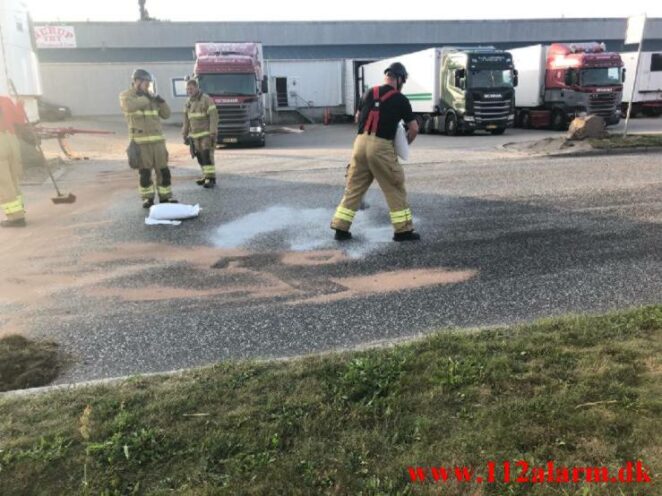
(232, 75)
(455, 90)
(648, 93)
(561, 81)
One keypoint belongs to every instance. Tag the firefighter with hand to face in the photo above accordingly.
(374, 156)
(147, 151)
(200, 131)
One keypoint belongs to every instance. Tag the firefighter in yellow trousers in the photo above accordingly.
(11, 168)
(147, 150)
(374, 157)
(200, 131)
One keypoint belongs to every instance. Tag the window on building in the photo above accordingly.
(656, 62)
(178, 87)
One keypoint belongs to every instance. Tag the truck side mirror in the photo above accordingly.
(623, 75)
(265, 84)
(515, 78)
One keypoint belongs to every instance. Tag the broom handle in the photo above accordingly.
(50, 173)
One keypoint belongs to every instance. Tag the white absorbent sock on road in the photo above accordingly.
(400, 142)
(171, 213)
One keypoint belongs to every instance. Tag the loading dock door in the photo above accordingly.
(281, 92)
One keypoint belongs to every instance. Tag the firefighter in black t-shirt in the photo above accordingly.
(374, 157)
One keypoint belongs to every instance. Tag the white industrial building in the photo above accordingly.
(309, 64)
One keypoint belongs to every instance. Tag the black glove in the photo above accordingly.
(158, 99)
(187, 141)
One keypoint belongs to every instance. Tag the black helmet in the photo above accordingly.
(398, 70)
(142, 74)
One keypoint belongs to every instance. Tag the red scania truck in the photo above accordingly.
(563, 80)
(232, 75)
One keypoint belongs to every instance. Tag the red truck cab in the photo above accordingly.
(563, 80)
(232, 75)
(587, 78)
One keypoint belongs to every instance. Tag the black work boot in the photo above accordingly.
(168, 200)
(342, 235)
(209, 183)
(13, 223)
(200, 181)
(148, 202)
(406, 236)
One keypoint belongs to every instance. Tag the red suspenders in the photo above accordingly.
(373, 117)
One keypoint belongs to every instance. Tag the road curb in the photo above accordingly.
(587, 153)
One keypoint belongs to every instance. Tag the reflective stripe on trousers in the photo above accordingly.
(401, 216)
(14, 207)
(345, 214)
(147, 193)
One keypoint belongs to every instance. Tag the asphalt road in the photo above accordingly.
(504, 239)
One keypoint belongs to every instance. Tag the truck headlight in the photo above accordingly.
(469, 118)
(256, 129)
(511, 117)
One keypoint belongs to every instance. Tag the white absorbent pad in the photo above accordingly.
(400, 142)
(171, 213)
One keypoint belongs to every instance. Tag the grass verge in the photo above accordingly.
(582, 391)
(27, 364)
(631, 141)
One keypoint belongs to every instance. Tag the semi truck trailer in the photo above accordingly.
(455, 90)
(647, 98)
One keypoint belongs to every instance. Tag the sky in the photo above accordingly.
(325, 10)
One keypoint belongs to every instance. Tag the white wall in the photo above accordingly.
(316, 81)
(93, 89)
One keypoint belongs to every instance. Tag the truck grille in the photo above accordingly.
(492, 110)
(602, 104)
(232, 119)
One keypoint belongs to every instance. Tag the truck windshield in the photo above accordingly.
(601, 76)
(228, 84)
(491, 78)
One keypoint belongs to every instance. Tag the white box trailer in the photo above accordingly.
(423, 85)
(648, 93)
(531, 65)
(19, 67)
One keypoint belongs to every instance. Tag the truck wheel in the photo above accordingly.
(451, 125)
(559, 121)
(498, 132)
(525, 120)
(420, 122)
(428, 125)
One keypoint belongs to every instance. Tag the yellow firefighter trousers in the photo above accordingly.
(205, 149)
(11, 170)
(374, 158)
(154, 156)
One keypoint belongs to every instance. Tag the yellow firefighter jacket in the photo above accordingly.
(200, 117)
(143, 115)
